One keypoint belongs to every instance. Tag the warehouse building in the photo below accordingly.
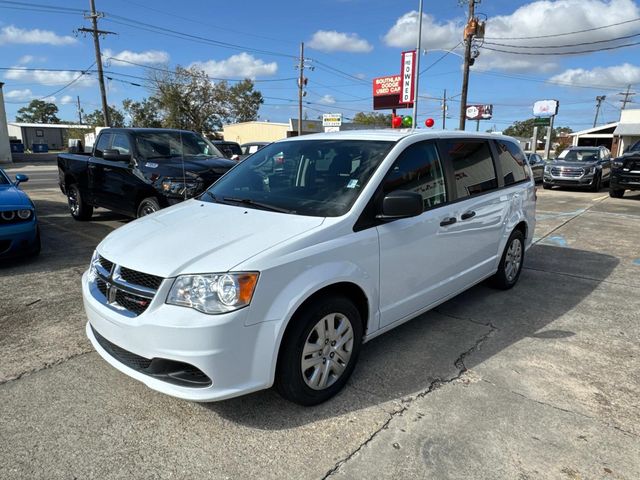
(42, 137)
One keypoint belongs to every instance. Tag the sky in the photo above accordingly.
(347, 44)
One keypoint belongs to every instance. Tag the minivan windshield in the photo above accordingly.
(586, 155)
(159, 145)
(307, 177)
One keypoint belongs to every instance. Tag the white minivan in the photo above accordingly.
(281, 270)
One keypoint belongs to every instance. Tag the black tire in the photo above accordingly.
(78, 207)
(597, 184)
(546, 186)
(502, 279)
(37, 245)
(616, 192)
(148, 206)
(291, 382)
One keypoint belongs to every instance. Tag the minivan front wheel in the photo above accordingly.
(320, 351)
(511, 262)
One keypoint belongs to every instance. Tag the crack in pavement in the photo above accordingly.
(46, 366)
(434, 385)
(581, 277)
(565, 410)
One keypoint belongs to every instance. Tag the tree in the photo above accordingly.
(144, 114)
(38, 111)
(374, 119)
(96, 118)
(524, 129)
(188, 99)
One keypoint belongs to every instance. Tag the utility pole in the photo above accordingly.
(79, 110)
(470, 30)
(534, 140)
(417, 69)
(444, 110)
(93, 16)
(599, 99)
(301, 83)
(627, 96)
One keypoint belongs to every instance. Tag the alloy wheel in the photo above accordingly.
(513, 260)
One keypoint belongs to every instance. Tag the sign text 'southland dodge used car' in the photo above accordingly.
(280, 271)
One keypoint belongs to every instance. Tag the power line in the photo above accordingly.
(565, 45)
(563, 53)
(565, 33)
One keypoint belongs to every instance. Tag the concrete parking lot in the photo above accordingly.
(542, 381)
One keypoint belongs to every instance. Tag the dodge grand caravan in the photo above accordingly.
(281, 270)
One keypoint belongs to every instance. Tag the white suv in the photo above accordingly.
(284, 267)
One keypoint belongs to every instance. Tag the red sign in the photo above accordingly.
(386, 86)
(408, 71)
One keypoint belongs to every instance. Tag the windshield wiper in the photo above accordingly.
(265, 206)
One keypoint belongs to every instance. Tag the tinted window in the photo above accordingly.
(473, 166)
(306, 177)
(121, 143)
(103, 144)
(3, 180)
(418, 169)
(168, 144)
(512, 162)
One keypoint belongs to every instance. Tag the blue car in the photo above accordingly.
(19, 233)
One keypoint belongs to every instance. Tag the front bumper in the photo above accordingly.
(236, 358)
(584, 180)
(18, 238)
(625, 181)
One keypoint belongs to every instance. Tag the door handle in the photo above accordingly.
(468, 215)
(448, 221)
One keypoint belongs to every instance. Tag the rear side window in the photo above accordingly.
(473, 166)
(512, 162)
(103, 144)
(418, 170)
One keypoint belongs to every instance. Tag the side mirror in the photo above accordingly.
(21, 178)
(115, 155)
(401, 204)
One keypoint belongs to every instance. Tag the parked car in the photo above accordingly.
(138, 171)
(537, 165)
(231, 150)
(358, 233)
(19, 233)
(625, 172)
(579, 167)
(251, 148)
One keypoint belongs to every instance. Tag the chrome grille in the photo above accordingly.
(123, 287)
(570, 172)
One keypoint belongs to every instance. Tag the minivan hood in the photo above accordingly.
(200, 237)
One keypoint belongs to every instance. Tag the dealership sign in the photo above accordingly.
(545, 108)
(386, 93)
(331, 119)
(479, 112)
(408, 70)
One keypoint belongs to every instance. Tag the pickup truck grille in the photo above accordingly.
(123, 287)
(570, 172)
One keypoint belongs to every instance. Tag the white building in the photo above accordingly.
(5, 149)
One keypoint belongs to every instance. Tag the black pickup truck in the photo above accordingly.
(137, 171)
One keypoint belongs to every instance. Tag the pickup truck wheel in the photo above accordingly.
(319, 351)
(511, 262)
(616, 192)
(148, 206)
(78, 207)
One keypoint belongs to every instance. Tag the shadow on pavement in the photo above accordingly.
(407, 360)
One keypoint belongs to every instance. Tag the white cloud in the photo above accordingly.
(50, 99)
(12, 34)
(241, 65)
(66, 100)
(621, 75)
(25, 94)
(328, 99)
(332, 41)
(148, 57)
(538, 18)
(25, 59)
(45, 77)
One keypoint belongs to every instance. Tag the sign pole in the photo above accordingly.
(547, 147)
(534, 140)
(417, 70)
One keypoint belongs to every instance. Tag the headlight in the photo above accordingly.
(592, 169)
(92, 266)
(179, 187)
(547, 168)
(617, 164)
(8, 215)
(24, 214)
(214, 292)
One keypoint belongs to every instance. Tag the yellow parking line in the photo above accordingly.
(600, 198)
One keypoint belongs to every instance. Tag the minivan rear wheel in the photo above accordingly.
(319, 351)
(511, 262)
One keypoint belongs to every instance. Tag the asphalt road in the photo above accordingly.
(541, 381)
